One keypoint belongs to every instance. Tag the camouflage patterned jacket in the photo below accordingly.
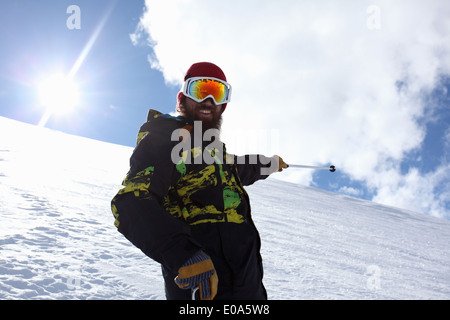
(172, 209)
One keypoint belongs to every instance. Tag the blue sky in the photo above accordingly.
(116, 83)
(362, 85)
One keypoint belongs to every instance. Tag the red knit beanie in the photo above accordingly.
(203, 69)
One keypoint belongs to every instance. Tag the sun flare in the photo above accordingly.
(58, 94)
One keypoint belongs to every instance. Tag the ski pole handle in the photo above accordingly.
(331, 168)
(194, 290)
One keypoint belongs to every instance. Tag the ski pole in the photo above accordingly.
(331, 168)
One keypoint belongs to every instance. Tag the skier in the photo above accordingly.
(183, 201)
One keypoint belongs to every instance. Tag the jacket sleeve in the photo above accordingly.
(150, 228)
(140, 217)
(252, 168)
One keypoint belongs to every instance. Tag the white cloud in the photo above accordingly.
(334, 89)
(415, 191)
(350, 191)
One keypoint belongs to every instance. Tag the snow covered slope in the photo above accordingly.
(58, 241)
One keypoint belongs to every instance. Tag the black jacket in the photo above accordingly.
(176, 201)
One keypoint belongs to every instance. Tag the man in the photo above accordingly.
(183, 202)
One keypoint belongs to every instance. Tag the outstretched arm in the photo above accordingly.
(252, 168)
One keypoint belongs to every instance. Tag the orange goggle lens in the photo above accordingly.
(200, 89)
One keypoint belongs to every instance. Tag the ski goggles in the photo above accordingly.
(202, 88)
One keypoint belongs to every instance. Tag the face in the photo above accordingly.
(205, 111)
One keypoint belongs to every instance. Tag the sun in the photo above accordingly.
(59, 94)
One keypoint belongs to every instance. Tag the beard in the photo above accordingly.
(214, 123)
